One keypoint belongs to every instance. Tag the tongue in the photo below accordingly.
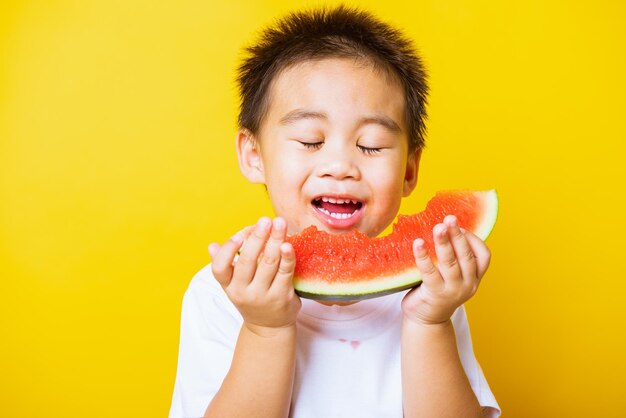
(339, 207)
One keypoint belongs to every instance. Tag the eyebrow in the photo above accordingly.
(299, 114)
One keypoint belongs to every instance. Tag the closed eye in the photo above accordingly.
(312, 145)
(368, 150)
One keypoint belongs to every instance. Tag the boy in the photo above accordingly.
(332, 123)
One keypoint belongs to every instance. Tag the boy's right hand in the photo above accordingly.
(259, 283)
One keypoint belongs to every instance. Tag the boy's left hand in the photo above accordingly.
(463, 259)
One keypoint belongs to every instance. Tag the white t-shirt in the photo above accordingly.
(347, 360)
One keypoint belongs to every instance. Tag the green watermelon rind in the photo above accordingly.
(319, 289)
(353, 297)
(341, 292)
(484, 228)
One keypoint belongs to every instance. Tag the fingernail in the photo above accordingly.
(285, 248)
(418, 245)
(279, 223)
(452, 220)
(264, 223)
(462, 230)
(238, 237)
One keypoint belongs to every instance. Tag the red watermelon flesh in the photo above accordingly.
(353, 266)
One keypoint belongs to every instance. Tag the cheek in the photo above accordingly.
(278, 163)
(285, 177)
(388, 180)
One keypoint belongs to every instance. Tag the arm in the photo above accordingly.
(433, 380)
(260, 380)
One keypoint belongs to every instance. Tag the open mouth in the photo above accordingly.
(337, 208)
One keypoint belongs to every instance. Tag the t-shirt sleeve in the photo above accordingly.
(208, 333)
(474, 373)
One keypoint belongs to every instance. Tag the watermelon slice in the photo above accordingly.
(353, 266)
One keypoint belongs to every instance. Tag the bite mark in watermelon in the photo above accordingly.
(353, 266)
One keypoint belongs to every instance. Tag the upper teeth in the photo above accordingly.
(340, 201)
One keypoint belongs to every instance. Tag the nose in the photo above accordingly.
(338, 162)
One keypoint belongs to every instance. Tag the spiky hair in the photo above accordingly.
(340, 32)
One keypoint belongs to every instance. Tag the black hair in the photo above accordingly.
(339, 32)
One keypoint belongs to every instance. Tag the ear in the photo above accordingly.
(249, 157)
(410, 175)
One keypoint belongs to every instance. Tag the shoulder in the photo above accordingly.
(209, 329)
(203, 281)
(203, 285)
(206, 294)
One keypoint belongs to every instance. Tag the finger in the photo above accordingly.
(270, 259)
(223, 257)
(247, 263)
(247, 231)
(481, 253)
(286, 267)
(214, 247)
(462, 250)
(446, 258)
(430, 273)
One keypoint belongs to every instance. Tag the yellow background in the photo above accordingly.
(117, 122)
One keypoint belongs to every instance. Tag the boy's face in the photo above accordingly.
(333, 147)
